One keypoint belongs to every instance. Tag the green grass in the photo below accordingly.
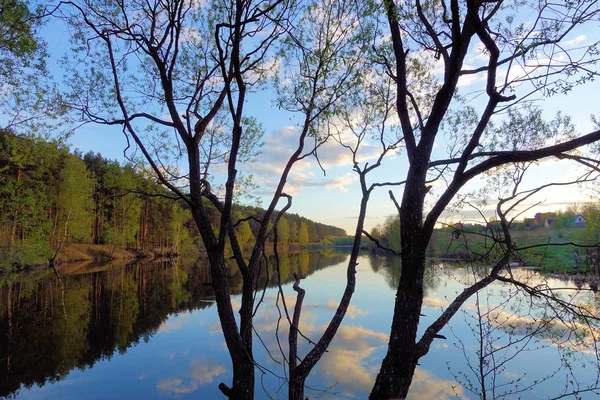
(541, 247)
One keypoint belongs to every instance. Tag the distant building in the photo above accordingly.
(550, 219)
(530, 223)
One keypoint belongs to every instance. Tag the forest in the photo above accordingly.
(432, 105)
(51, 197)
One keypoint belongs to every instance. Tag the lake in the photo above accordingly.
(151, 330)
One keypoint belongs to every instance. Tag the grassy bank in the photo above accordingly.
(551, 250)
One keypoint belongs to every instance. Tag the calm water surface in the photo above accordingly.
(150, 330)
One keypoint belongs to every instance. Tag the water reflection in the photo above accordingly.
(391, 269)
(200, 372)
(517, 344)
(51, 325)
(151, 330)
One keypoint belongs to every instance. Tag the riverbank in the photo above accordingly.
(104, 252)
(98, 253)
(77, 253)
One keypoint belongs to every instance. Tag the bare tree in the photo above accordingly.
(526, 314)
(521, 63)
(362, 119)
(176, 75)
(191, 63)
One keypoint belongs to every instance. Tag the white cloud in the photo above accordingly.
(305, 173)
(575, 42)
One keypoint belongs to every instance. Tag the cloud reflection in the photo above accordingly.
(171, 325)
(199, 373)
(349, 358)
(434, 302)
(571, 335)
(352, 311)
(354, 359)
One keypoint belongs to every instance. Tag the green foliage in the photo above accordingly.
(303, 237)
(50, 198)
(387, 233)
(28, 168)
(244, 233)
(313, 234)
(283, 230)
(29, 100)
(289, 226)
(73, 201)
(182, 237)
(591, 229)
(293, 231)
(17, 37)
(133, 211)
(344, 241)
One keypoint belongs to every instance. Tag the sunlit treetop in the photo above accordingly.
(17, 36)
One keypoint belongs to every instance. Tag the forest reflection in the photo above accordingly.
(391, 270)
(51, 324)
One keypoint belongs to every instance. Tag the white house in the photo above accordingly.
(579, 221)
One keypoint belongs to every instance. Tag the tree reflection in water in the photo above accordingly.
(391, 269)
(51, 325)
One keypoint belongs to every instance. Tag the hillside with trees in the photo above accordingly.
(51, 197)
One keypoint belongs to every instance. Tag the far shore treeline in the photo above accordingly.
(51, 198)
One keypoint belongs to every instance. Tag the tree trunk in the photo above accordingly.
(296, 386)
(239, 342)
(240, 353)
(63, 239)
(10, 326)
(243, 379)
(398, 367)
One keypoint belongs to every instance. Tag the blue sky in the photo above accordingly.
(334, 198)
